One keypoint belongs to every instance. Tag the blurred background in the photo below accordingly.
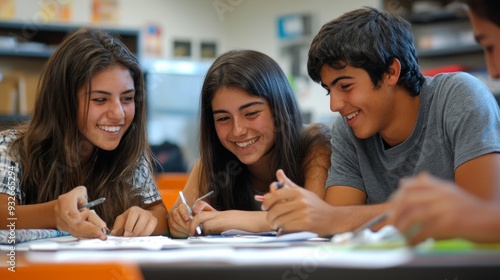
(177, 40)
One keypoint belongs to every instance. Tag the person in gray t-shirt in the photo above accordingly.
(394, 123)
(437, 208)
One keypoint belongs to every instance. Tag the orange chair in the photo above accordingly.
(169, 185)
(76, 271)
(169, 181)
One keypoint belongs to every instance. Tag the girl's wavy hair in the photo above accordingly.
(259, 75)
(49, 145)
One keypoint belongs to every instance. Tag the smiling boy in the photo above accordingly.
(394, 123)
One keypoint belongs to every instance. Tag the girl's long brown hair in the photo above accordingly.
(259, 75)
(49, 145)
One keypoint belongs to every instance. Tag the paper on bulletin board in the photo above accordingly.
(55, 11)
(105, 12)
(153, 40)
(8, 9)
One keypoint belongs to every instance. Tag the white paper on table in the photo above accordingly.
(111, 243)
(236, 239)
(239, 232)
(387, 236)
(323, 255)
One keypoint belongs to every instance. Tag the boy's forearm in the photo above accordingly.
(348, 218)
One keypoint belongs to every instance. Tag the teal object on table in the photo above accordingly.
(23, 235)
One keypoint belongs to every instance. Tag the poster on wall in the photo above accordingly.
(8, 9)
(182, 48)
(152, 40)
(208, 50)
(55, 11)
(105, 12)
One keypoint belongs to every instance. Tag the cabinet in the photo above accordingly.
(442, 32)
(24, 49)
(444, 38)
(40, 40)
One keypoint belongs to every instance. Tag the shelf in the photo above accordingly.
(443, 36)
(436, 17)
(25, 54)
(450, 51)
(48, 36)
(24, 49)
(9, 121)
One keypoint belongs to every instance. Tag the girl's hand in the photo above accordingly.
(199, 220)
(83, 223)
(212, 221)
(134, 222)
(179, 221)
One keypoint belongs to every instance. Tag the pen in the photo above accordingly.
(375, 221)
(260, 198)
(190, 211)
(183, 198)
(280, 230)
(92, 203)
(203, 197)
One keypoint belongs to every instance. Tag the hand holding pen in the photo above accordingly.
(94, 203)
(259, 197)
(293, 208)
(189, 208)
(79, 221)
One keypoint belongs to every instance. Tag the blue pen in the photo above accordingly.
(261, 197)
(279, 185)
(280, 230)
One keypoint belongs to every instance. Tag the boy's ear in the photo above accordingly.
(392, 75)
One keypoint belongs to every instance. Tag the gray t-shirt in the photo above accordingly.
(458, 120)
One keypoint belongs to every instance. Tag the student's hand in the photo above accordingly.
(293, 208)
(83, 223)
(200, 206)
(425, 207)
(212, 221)
(134, 222)
(208, 219)
(179, 221)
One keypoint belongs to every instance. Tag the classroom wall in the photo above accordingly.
(193, 19)
(232, 24)
(253, 25)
